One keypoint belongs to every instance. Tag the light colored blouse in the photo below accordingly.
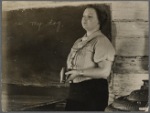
(88, 51)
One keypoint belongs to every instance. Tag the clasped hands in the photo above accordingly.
(70, 75)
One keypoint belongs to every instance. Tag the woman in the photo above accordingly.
(90, 62)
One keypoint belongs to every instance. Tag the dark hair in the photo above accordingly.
(102, 15)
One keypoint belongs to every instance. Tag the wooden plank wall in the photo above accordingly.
(130, 38)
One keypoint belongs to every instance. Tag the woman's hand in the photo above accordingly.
(71, 75)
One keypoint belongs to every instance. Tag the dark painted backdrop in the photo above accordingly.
(39, 40)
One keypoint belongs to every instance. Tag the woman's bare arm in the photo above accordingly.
(102, 71)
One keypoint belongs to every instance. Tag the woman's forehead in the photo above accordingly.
(90, 11)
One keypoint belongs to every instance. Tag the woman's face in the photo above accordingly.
(90, 19)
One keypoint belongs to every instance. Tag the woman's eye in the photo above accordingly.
(89, 16)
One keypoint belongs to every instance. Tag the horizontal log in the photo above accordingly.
(127, 5)
(129, 65)
(132, 46)
(131, 10)
(124, 84)
(130, 29)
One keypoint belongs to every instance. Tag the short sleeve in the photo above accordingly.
(103, 50)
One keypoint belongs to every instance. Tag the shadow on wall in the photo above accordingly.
(114, 34)
(145, 64)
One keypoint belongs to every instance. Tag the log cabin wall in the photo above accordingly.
(130, 26)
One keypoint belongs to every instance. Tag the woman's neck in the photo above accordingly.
(88, 33)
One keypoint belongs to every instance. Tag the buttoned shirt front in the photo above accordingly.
(88, 51)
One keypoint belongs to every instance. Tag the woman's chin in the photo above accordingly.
(85, 28)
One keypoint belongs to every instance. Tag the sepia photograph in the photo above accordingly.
(75, 56)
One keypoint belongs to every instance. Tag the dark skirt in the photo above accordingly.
(90, 95)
